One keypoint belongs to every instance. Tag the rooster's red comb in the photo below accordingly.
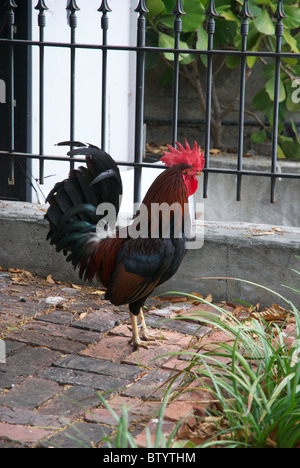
(184, 155)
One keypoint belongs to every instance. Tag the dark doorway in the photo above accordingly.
(15, 172)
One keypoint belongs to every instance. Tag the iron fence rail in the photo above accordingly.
(216, 170)
(146, 48)
(140, 49)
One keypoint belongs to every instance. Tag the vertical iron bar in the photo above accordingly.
(178, 11)
(104, 25)
(244, 15)
(41, 6)
(279, 15)
(72, 7)
(139, 97)
(11, 98)
(210, 28)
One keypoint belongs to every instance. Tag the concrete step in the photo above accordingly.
(257, 253)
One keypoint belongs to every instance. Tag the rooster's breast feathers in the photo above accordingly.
(141, 265)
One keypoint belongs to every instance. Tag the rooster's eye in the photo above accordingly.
(187, 171)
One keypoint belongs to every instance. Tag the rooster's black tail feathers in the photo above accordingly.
(73, 202)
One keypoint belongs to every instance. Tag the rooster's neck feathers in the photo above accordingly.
(168, 187)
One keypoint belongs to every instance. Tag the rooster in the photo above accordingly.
(128, 267)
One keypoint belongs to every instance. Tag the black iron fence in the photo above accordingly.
(12, 44)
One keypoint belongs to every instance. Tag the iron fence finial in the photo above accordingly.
(279, 13)
(142, 7)
(41, 5)
(104, 8)
(211, 11)
(12, 4)
(72, 6)
(178, 10)
(245, 13)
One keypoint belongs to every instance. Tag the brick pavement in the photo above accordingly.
(64, 346)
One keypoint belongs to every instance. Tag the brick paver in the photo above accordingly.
(61, 353)
(64, 346)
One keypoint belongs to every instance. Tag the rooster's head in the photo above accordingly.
(184, 155)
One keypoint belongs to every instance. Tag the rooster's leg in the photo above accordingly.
(135, 339)
(145, 334)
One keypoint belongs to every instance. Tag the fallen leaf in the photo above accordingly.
(179, 311)
(16, 279)
(75, 286)
(83, 315)
(262, 233)
(209, 298)
(98, 293)
(185, 432)
(238, 309)
(156, 148)
(178, 299)
(27, 273)
(15, 270)
(193, 300)
(172, 299)
(50, 280)
(275, 312)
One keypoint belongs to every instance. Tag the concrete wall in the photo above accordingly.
(255, 206)
(221, 204)
(252, 252)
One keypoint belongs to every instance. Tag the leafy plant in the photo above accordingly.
(124, 438)
(256, 380)
(253, 376)
(227, 37)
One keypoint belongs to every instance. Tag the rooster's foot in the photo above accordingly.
(145, 336)
(145, 339)
(137, 343)
(154, 337)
